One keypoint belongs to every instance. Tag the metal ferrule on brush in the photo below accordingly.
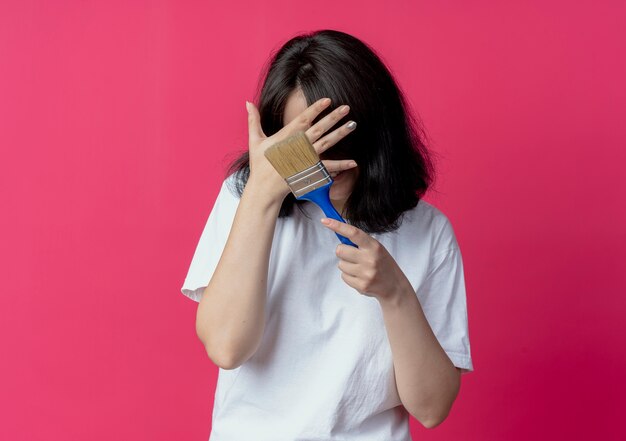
(308, 179)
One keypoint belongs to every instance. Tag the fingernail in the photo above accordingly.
(352, 164)
(351, 125)
(326, 101)
(325, 221)
(247, 106)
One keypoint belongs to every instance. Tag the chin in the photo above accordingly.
(341, 190)
(338, 191)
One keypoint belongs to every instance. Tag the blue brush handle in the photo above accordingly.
(320, 196)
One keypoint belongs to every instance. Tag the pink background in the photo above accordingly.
(114, 121)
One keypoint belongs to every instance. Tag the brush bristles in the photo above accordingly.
(292, 155)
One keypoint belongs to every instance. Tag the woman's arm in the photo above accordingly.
(427, 380)
(231, 314)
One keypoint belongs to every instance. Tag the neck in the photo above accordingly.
(339, 205)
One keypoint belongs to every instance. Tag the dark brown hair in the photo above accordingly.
(395, 166)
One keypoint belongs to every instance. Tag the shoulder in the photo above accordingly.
(429, 221)
(227, 200)
(229, 189)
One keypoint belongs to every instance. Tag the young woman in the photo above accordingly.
(317, 340)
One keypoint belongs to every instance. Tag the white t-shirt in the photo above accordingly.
(324, 368)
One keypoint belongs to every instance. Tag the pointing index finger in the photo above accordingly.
(359, 237)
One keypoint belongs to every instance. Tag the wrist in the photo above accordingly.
(397, 296)
(259, 194)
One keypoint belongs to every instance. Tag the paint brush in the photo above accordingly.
(296, 160)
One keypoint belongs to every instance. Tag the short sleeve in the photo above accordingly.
(443, 299)
(211, 244)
